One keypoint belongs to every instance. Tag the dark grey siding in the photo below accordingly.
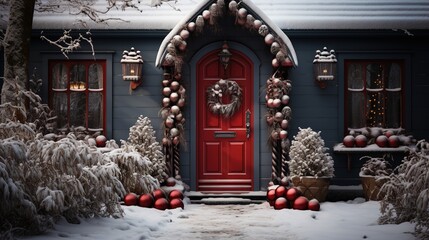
(320, 109)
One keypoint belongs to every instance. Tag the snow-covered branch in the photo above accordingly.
(67, 43)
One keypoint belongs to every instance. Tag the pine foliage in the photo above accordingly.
(308, 156)
(142, 138)
(407, 191)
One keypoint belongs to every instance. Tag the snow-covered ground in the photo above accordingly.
(337, 220)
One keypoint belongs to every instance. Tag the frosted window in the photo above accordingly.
(374, 94)
(77, 93)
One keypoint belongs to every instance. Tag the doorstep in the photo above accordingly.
(255, 197)
(335, 193)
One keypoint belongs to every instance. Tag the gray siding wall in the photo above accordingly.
(320, 109)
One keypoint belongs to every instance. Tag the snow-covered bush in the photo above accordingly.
(41, 180)
(308, 156)
(375, 166)
(134, 169)
(142, 137)
(407, 191)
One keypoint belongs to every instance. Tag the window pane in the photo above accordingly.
(393, 110)
(78, 75)
(95, 111)
(95, 75)
(59, 76)
(356, 109)
(375, 108)
(77, 109)
(355, 76)
(374, 76)
(394, 76)
(59, 105)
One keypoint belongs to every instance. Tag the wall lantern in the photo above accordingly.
(132, 63)
(225, 55)
(324, 66)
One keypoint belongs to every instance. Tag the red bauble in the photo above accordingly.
(161, 204)
(292, 194)
(394, 141)
(280, 203)
(285, 182)
(301, 203)
(175, 194)
(361, 141)
(280, 191)
(381, 141)
(130, 199)
(176, 203)
(100, 141)
(171, 182)
(158, 193)
(146, 200)
(349, 141)
(389, 133)
(271, 195)
(314, 205)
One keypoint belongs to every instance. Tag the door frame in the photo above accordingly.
(256, 109)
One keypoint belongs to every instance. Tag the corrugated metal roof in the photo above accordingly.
(287, 14)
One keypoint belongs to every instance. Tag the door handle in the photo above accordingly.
(248, 113)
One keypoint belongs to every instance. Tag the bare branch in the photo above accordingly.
(67, 43)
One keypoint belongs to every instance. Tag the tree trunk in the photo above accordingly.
(16, 50)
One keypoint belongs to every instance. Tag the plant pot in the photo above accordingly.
(371, 187)
(312, 187)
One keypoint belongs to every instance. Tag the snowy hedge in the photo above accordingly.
(407, 191)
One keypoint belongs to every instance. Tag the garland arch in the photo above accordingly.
(170, 58)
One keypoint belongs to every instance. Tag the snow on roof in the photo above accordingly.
(286, 14)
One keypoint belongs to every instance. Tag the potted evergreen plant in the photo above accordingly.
(373, 174)
(310, 165)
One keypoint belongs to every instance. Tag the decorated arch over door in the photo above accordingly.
(170, 57)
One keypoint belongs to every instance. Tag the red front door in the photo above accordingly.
(224, 147)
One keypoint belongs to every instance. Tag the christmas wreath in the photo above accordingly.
(219, 89)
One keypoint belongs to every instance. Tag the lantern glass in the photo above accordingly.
(324, 71)
(131, 71)
(225, 55)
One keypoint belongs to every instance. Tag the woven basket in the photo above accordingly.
(371, 187)
(312, 187)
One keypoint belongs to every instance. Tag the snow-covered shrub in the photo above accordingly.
(308, 156)
(142, 137)
(69, 178)
(375, 166)
(407, 191)
(17, 211)
(134, 169)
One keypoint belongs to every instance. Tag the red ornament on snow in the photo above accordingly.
(301, 203)
(394, 141)
(100, 141)
(271, 195)
(158, 193)
(280, 203)
(280, 191)
(130, 199)
(382, 141)
(171, 182)
(161, 204)
(389, 133)
(146, 200)
(175, 194)
(361, 141)
(314, 205)
(349, 141)
(292, 194)
(176, 203)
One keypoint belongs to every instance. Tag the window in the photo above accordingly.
(77, 93)
(374, 93)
